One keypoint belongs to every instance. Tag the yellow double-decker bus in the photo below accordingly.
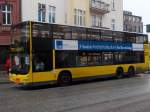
(52, 53)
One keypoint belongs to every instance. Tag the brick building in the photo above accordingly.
(9, 15)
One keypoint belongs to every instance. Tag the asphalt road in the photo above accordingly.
(123, 95)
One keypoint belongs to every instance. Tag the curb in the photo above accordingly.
(4, 77)
(5, 82)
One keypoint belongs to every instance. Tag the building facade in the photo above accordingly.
(132, 23)
(89, 13)
(9, 15)
(107, 14)
(49, 11)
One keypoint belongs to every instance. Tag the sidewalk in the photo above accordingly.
(4, 77)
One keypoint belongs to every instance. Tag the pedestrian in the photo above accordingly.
(7, 64)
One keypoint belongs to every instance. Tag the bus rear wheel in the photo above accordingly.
(119, 73)
(64, 79)
(131, 71)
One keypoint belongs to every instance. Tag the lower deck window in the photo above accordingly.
(42, 62)
(66, 59)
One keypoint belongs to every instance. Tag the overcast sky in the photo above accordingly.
(139, 8)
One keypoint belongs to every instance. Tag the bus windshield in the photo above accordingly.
(20, 49)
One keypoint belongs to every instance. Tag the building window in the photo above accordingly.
(100, 21)
(52, 14)
(139, 28)
(79, 17)
(66, 18)
(113, 5)
(96, 21)
(126, 27)
(130, 18)
(41, 12)
(113, 24)
(6, 14)
(135, 29)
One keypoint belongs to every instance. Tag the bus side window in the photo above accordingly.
(65, 59)
(130, 37)
(67, 32)
(74, 35)
(82, 59)
(38, 64)
(93, 34)
(58, 32)
(145, 39)
(93, 59)
(106, 35)
(42, 62)
(41, 31)
(140, 39)
(108, 58)
(119, 37)
(78, 33)
(67, 35)
(82, 34)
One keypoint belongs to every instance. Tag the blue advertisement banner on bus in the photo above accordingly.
(95, 45)
(104, 46)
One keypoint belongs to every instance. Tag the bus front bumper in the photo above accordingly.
(26, 80)
(20, 79)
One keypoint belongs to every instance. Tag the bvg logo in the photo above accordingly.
(59, 45)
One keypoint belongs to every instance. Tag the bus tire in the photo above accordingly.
(64, 78)
(119, 73)
(131, 71)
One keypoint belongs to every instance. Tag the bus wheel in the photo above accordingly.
(131, 71)
(64, 78)
(119, 73)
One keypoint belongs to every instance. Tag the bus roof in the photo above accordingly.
(103, 28)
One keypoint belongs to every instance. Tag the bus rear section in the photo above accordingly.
(100, 59)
